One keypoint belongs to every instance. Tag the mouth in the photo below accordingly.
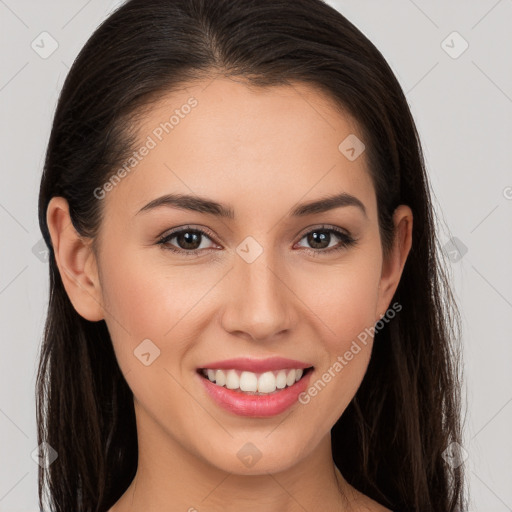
(252, 383)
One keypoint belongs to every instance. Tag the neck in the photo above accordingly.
(170, 475)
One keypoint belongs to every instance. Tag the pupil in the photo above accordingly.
(190, 240)
(318, 238)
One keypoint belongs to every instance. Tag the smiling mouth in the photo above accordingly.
(251, 383)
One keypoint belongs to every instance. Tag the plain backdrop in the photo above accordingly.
(454, 62)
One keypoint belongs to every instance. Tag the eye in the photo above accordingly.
(320, 240)
(188, 241)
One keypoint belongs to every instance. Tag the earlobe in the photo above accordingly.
(393, 265)
(75, 260)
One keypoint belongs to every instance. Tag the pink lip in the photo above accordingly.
(255, 405)
(257, 365)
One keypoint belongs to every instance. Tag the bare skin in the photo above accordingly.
(262, 152)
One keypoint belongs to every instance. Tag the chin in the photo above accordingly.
(257, 457)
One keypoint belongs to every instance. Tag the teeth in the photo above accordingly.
(251, 382)
(267, 382)
(220, 378)
(232, 380)
(248, 381)
(281, 379)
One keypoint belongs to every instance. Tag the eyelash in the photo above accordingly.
(346, 240)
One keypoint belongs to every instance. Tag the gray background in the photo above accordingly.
(463, 108)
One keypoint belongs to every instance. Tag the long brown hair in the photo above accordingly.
(390, 441)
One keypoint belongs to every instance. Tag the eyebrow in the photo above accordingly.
(203, 205)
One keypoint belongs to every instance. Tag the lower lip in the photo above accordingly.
(256, 405)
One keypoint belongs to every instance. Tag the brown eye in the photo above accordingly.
(323, 240)
(186, 241)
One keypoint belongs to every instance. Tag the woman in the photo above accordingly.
(242, 315)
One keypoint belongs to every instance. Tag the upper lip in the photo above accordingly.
(256, 365)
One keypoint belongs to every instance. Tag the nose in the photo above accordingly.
(261, 303)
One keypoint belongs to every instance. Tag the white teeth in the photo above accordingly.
(281, 379)
(250, 382)
(232, 380)
(220, 378)
(266, 382)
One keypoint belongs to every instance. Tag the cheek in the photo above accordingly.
(344, 298)
(345, 301)
(146, 299)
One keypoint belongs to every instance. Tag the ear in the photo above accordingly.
(393, 265)
(75, 260)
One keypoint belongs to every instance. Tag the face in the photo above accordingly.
(183, 290)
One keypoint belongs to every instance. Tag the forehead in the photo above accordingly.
(242, 144)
